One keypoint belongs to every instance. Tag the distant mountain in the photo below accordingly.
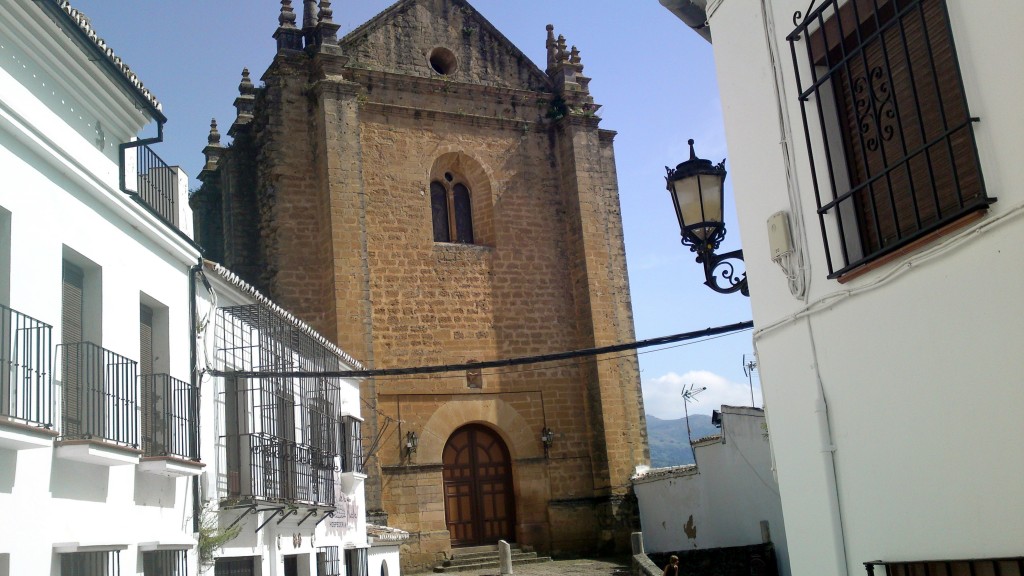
(667, 439)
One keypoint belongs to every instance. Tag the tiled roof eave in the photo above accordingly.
(81, 25)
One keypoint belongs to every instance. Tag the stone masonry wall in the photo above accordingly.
(343, 147)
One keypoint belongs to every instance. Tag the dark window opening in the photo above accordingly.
(244, 566)
(90, 564)
(328, 562)
(443, 61)
(165, 563)
(351, 444)
(356, 563)
(452, 212)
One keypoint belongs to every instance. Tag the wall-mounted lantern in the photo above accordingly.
(547, 438)
(411, 443)
(697, 190)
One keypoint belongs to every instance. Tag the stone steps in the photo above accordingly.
(486, 558)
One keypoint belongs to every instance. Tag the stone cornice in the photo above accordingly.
(420, 84)
(455, 117)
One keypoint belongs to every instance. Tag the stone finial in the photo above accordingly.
(325, 34)
(246, 87)
(551, 48)
(244, 103)
(287, 18)
(212, 152)
(309, 11)
(326, 14)
(214, 138)
(565, 68)
(287, 35)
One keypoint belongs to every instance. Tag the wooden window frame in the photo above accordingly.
(452, 218)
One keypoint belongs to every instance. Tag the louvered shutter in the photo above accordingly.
(908, 145)
(150, 409)
(72, 305)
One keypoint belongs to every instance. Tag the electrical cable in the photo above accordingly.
(727, 329)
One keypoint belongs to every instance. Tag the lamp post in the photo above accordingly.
(697, 190)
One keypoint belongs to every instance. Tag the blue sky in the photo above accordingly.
(653, 76)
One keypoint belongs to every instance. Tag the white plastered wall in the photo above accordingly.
(915, 360)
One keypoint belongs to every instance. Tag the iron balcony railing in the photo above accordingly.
(100, 395)
(26, 387)
(276, 469)
(168, 417)
(156, 184)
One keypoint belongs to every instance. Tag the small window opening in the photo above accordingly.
(443, 61)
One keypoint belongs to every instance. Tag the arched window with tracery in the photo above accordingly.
(451, 210)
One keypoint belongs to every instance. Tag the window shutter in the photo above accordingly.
(150, 411)
(72, 305)
(906, 131)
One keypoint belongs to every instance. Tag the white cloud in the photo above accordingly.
(663, 394)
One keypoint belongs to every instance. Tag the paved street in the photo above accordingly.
(603, 567)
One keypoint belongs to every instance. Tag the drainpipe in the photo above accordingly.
(194, 371)
(693, 13)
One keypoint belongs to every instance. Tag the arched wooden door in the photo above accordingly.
(479, 503)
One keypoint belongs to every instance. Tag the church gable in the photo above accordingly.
(442, 39)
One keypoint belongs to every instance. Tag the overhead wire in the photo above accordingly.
(517, 361)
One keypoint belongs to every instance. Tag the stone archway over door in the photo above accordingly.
(479, 502)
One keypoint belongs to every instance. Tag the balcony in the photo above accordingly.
(163, 189)
(169, 443)
(26, 387)
(99, 406)
(268, 469)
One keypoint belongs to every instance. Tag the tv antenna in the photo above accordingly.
(689, 395)
(748, 370)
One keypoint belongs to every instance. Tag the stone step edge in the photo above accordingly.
(495, 564)
(515, 552)
(488, 558)
(481, 550)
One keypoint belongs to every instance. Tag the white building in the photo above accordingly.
(96, 443)
(111, 455)
(887, 324)
(728, 498)
(287, 474)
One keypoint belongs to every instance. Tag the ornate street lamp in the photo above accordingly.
(696, 187)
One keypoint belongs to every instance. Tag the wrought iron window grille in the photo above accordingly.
(91, 563)
(165, 563)
(889, 135)
(328, 561)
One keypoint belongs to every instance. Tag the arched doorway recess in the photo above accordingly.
(479, 502)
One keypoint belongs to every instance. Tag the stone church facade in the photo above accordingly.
(423, 194)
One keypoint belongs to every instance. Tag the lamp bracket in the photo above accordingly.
(720, 272)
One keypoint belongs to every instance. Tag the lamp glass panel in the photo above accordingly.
(699, 198)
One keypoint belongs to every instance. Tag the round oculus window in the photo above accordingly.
(443, 61)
